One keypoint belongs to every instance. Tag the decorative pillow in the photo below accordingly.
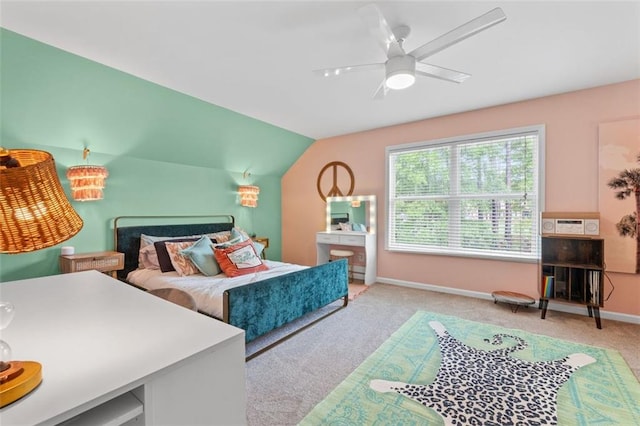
(238, 232)
(226, 244)
(345, 226)
(243, 236)
(258, 246)
(181, 264)
(145, 239)
(201, 255)
(239, 259)
(360, 227)
(221, 237)
(148, 257)
(164, 260)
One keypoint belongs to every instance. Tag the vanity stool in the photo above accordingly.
(336, 254)
(176, 296)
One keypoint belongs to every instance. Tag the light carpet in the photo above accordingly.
(490, 375)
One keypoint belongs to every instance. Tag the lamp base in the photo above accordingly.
(18, 380)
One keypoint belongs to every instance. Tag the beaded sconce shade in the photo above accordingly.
(249, 195)
(35, 211)
(87, 182)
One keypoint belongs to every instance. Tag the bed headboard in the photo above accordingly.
(337, 218)
(127, 230)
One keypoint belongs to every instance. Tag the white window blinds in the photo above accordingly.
(475, 196)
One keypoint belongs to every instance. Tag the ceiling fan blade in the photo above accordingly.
(446, 74)
(456, 35)
(338, 71)
(379, 28)
(382, 91)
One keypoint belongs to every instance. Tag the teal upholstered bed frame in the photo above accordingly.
(266, 305)
(259, 307)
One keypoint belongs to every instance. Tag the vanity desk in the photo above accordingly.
(359, 209)
(326, 240)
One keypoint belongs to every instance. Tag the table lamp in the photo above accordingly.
(17, 378)
(35, 214)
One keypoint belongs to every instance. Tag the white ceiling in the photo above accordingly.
(256, 58)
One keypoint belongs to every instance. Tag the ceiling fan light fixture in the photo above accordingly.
(400, 72)
(400, 80)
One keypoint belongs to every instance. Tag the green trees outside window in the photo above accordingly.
(473, 195)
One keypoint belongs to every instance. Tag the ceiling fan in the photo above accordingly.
(400, 67)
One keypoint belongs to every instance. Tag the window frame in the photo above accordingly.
(539, 175)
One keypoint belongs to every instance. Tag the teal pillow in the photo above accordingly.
(259, 247)
(236, 233)
(201, 254)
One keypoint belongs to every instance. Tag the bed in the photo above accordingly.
(257, 303)
(338, 218)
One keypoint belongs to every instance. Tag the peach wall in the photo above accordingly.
(571, 121)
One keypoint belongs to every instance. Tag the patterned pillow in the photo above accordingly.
(221, 237)
(239, 259)
(201, 254)
(164, 260)
(149, 255)
(181, 264)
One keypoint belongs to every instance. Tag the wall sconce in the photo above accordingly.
(248, 195)
(87, 181)
(35, 211)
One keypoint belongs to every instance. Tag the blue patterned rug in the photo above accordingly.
(439, 369)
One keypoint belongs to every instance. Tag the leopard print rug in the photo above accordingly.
(479, 387)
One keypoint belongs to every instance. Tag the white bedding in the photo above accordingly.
(207, 291)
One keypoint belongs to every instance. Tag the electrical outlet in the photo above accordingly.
(360, 257)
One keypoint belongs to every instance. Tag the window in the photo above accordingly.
(476, 195)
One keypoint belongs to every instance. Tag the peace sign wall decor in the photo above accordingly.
(333, 180)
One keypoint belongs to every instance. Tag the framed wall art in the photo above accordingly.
(619, 194)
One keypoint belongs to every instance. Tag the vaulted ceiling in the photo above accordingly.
(256, 58)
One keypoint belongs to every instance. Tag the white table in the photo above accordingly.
(325, 240)
(110, 351)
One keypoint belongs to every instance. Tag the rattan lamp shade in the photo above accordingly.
(87, 182)
(35, 211)
(249, 195)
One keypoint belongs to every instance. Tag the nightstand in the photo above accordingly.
(103, 261)
(265, 242)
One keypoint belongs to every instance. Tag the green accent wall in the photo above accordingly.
(166, 152)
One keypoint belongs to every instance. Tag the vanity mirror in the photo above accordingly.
(354, 209)
(361, 244)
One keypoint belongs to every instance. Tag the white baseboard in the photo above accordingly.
(554, 306)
